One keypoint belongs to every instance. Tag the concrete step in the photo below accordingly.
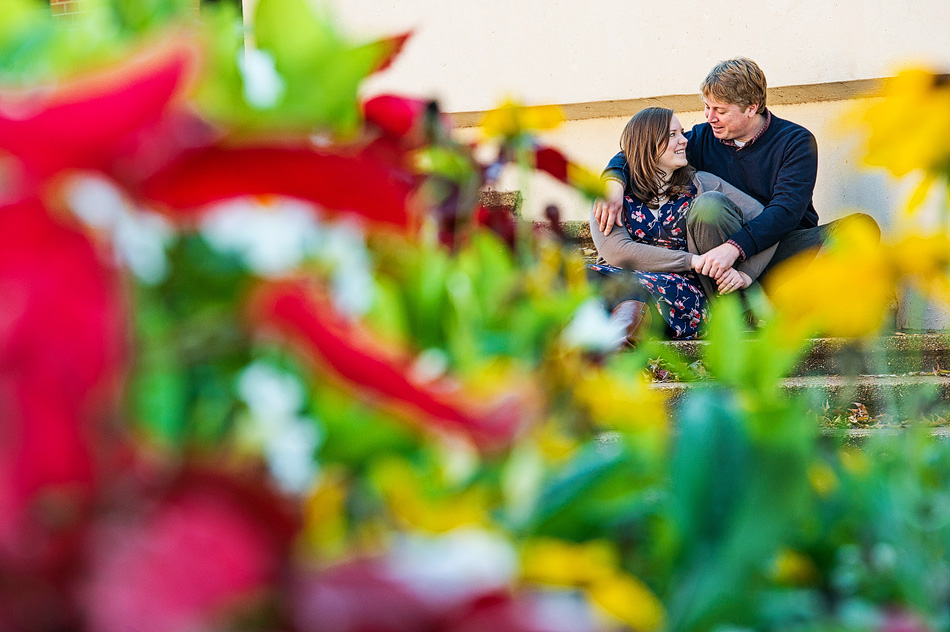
(899, 354)
(855, 402)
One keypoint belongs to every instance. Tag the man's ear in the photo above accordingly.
(752, 110)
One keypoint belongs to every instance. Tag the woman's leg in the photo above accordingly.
(627, 301)
(712, 219)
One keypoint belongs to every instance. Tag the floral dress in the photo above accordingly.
(679, 297)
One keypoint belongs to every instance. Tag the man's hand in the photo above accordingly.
(718, 261)
(609, 211)
(733, 280)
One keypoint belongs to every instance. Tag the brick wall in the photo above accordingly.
(72, 7)
(65, 7)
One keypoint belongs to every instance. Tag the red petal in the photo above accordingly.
(552, 162)
(86, 123)
(395, 115)
(348, 353)
(61, 341)
(355, 184)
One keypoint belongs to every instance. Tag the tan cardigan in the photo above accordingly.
(621, 250)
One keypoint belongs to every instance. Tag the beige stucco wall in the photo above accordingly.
(600, 57)
(472, 54)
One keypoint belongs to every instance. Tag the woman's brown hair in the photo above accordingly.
(643, 141)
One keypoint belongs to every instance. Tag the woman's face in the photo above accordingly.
(674, 157)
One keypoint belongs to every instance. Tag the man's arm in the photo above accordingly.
(608, 211)
(791, 194)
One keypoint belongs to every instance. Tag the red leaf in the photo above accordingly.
(87, 122)
(348, 352)
(346, 183)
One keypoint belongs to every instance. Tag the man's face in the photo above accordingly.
(729, 121)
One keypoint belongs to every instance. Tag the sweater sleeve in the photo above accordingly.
(616, 169)
(791, 194)
(621, 250)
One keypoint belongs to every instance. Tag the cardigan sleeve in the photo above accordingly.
(621, 250)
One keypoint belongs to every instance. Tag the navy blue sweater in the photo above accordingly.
(779, 170)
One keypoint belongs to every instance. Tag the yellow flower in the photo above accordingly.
(554, 445)
(511, 119)
(586, 181)
(325, 523)
(791, 568)
(435, 512)
(593, 567)
(910, 126)
(550, 561)
(844, 291)
(923, 258)
(629, 600)
(854, 461)
(822, 479)
(621, 403)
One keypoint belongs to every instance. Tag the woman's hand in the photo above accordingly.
(609, 211)
(732, 280)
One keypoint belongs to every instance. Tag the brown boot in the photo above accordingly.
(633, 317)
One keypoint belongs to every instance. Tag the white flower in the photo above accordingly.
(139, 237)
(592, 329)
(288, 440)
(271, 240)
(343, 246)
(451, 567)
(263, 85)
(270, 391)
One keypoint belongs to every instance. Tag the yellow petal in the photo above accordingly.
(551, 561)
(629, 600)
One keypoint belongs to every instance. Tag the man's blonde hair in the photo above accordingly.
(738, 81)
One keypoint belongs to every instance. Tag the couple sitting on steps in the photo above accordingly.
(691, 214)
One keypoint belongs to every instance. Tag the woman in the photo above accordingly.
(671, 213)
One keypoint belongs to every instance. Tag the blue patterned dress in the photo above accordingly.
(679, 297)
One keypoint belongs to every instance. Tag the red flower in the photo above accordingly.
(348, 353)
(339, 182)
(212, 544)
(87, 122)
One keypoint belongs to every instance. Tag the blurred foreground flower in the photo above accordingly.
(512, 119)
(205, 553)
(339, 180)
(347, 352)
(910, 127)
(843, 291)
(593, 567)
(62, 342)
(93, 120)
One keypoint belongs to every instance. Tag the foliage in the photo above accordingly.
(266, 363)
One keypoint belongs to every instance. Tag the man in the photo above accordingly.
(773, 160)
